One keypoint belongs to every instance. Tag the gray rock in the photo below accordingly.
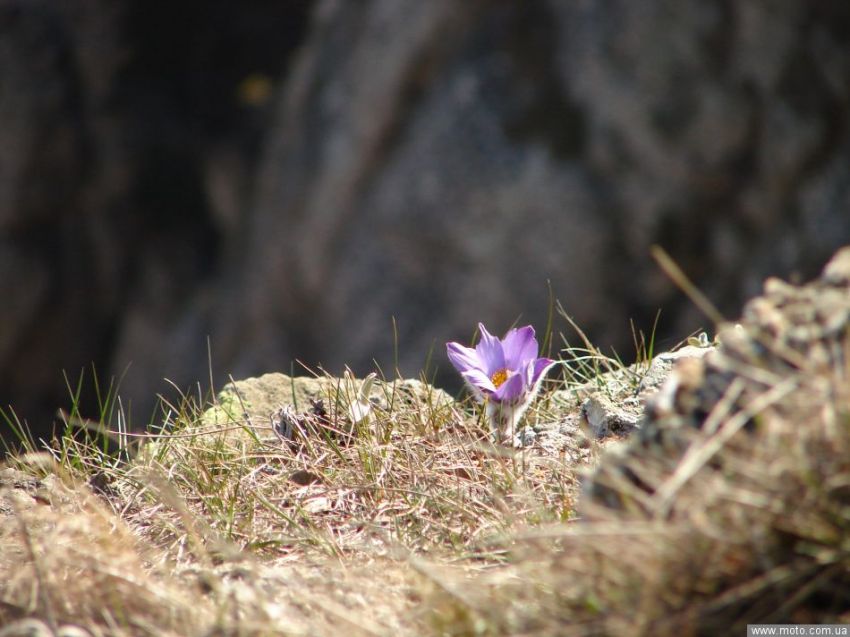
(275, 400)
(26, 628)
(525, 437)
(436, 162)
(614, 404)
(606, 417)
(789, 346)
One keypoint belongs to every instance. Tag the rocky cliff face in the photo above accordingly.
(288, 179)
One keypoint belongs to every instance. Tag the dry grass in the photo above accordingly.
(413, 523)
(744, 521)
(67, 559)
(228, 529)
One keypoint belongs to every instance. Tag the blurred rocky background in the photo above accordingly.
(288, 179)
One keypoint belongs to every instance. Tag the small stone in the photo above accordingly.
(837, 271)
(72, 631)
(605, 417)
(525, 437)
(26, 628)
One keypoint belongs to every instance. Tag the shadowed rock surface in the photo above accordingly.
(785, 361)
(286, 179)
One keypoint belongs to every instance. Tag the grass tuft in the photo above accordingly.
(322, 506)
(216, 491)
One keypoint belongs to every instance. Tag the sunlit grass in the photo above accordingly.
(408, 521)
(213, 484)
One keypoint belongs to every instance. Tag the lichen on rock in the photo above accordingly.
(254, 401)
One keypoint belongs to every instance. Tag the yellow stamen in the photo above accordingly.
(499, 377)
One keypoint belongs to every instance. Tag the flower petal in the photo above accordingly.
(463, 358)
(479, 380)
(511, 390)
(520, 347)
(539, 369)
(490, 352)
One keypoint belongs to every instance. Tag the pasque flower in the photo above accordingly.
(504, 374)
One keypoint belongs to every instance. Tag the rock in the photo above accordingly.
(837, 271)
(275, 399)
(605, 412)
(27, 628)
(606, 417)
(614, 403)
(259, 397)
(788, 353)
(525, 437)
(353, 162)
(72, 631)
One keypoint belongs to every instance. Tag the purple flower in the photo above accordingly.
(506, 373)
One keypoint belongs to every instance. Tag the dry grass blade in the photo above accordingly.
(729, 507)
(702, 450)
(224, 507)
(42, 587)
(678, 277)
(85, 569)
